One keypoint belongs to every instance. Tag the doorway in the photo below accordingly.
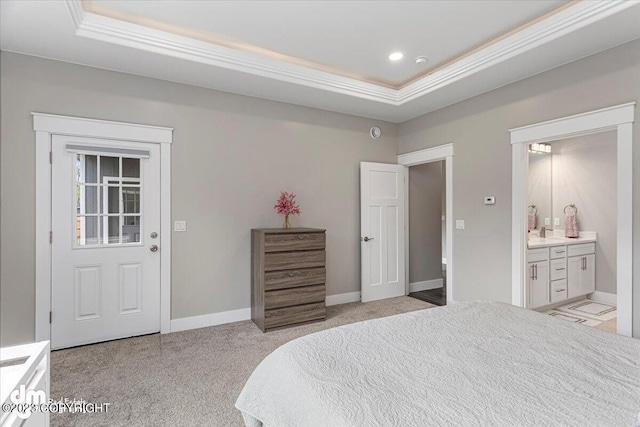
(442, 154)
(618, 119)
(427, 232)
(105, 271)
(103, 250)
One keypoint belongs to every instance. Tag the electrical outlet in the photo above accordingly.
(547, 221)
(459, 224)
(180, 226)
(556, 221)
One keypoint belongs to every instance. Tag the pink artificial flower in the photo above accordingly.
(286, 204)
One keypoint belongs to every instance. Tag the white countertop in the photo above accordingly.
(542, 242)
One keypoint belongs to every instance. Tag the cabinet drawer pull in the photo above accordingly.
(560, 252)
(560, 290)
(560, 269)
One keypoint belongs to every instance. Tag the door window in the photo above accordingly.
(108, 194)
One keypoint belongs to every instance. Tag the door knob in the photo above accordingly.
(154, 248)
(366, 239)
(154, 235)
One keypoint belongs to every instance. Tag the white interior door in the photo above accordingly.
(105, 240)
(382, 227)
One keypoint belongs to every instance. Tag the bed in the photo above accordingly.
(467, 364)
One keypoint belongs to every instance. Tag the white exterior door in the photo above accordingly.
(105, 240)
(382, 224)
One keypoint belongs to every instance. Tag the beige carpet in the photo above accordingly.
(189, 378)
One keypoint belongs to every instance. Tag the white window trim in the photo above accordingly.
(47, 125)
(617, 118)
(429, 155)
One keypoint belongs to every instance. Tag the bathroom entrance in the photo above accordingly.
(556, 269)
(571, 226)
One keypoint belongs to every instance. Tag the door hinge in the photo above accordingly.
(50, 157)
(50, 316)
(50, 237)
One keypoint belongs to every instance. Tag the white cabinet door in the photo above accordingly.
(588, 277)
(382, 220)
(538, 274)
(581, 275)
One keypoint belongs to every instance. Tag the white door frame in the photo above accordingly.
(429, 155)
(45, 127)
(618, 118)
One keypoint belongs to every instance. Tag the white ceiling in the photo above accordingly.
(351, 37)
(324, 54)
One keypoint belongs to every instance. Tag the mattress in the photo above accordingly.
(467, 364)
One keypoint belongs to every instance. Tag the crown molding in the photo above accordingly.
(572, 18)
(565, 21)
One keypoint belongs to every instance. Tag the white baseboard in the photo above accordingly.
(212, 319)
(604, 297)
(426, 285)
(343, 298)
(241, 314)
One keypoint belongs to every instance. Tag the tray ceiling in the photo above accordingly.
(324, 54)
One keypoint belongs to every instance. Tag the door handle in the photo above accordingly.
(535, 271)
(366, 239)
(154, 248)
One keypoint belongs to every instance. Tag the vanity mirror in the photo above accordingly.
(539, 187)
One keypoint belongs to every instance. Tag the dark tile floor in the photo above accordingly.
(436, 296)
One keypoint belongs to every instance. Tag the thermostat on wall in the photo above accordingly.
(489, 200)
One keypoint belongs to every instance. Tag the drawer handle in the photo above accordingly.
(299, 237)
(560, 252)
(559, 269)
(291, 274)
(560, 290)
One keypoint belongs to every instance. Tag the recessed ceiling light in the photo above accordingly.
(421, 60)
(396, 56)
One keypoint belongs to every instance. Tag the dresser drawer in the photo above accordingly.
(294, 296)
(285, 279)
(290, 315)
(558, 290)
(558, 269)
(293, 260)
(558, 252)
(293, 242)
(582, 249)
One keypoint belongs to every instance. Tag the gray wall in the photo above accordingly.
(584, 174)
(231, 156)
(425, 224)
(482, 163)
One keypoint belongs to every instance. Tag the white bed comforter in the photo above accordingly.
(468, 364)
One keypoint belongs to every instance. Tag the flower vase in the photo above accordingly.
(286, 224)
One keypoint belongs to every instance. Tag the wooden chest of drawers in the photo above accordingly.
(287, 277)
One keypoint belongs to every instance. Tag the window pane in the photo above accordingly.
(131, 200)
(109, 166)
(111, 203)
(112, 224)
(131, 229)
(86, 168)
(86, 199)
(88, 231)
(130, 168)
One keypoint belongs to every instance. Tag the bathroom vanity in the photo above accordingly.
(560, 269)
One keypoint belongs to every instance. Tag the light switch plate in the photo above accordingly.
(556, 221)
(180, 226)
(459, 224)
(489, 200)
